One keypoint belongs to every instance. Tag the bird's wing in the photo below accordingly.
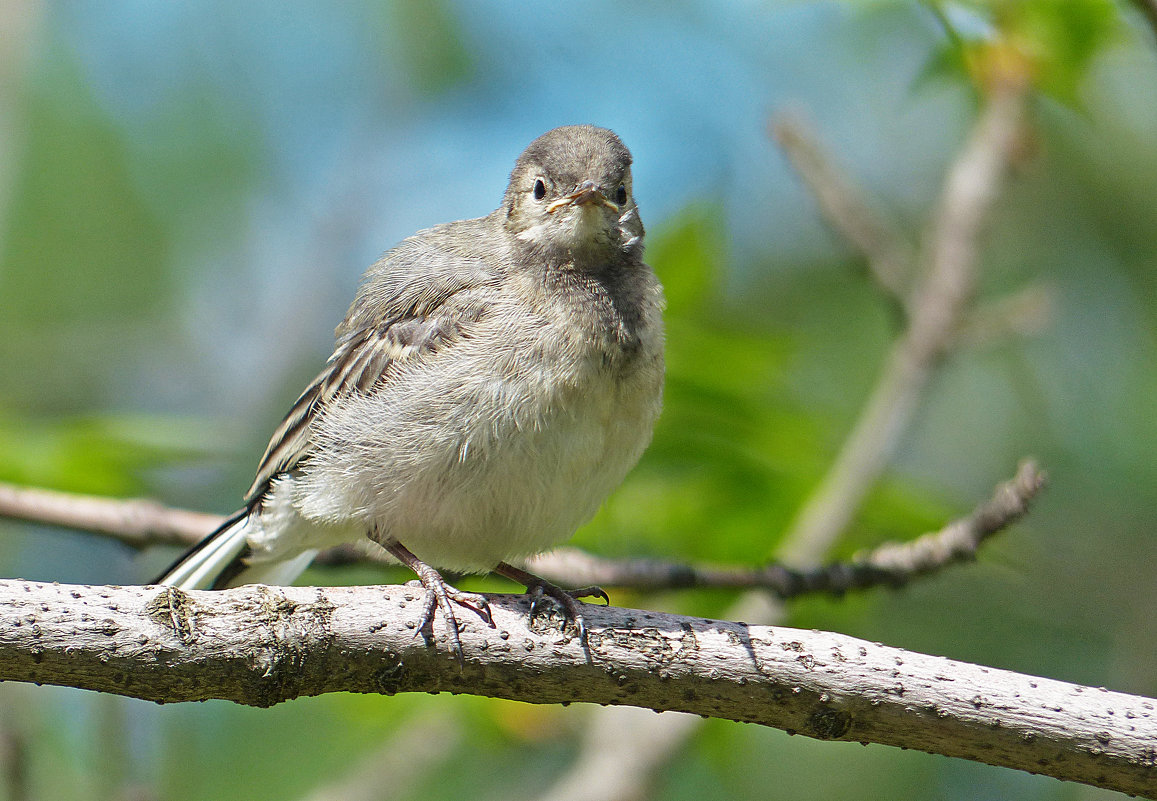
(402, 312)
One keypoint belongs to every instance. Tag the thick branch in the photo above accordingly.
(258, 645)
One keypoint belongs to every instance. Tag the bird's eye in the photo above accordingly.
(539, 189)
(621, 194)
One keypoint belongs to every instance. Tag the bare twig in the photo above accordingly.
(960, 539)
(887, 252)
(259, 646)
(888, 564)
(136, 522)
(141, 523)
(1027, 311)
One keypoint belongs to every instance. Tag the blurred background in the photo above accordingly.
(190, 192)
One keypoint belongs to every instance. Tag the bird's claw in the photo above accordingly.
(567, 601)
(440, 595)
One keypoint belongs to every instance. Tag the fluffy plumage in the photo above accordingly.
(493, 380)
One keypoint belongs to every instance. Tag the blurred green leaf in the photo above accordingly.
(104, 455)
(82, 259)
(688, 252)
(1052, 43)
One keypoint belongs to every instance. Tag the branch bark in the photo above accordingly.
(260, 645)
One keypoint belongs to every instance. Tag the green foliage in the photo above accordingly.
(1051, 43)
(78, 217)
(75, 222)
(86, 272)
(105, 455)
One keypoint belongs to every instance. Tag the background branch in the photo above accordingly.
(260, 645)
(937, 305)
(888, 254)
(937, 308)
(137, 522)
(889, 564)
(141, 523)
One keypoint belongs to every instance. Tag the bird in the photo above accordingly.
(492, 382)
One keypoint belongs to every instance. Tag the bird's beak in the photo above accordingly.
(587, 193)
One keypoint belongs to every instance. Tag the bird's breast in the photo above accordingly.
(501, 444)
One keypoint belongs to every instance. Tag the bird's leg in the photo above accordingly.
(537, 588)
(439, 594)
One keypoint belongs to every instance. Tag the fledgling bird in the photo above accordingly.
(492, 382)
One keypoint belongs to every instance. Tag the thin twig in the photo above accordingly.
(1024, 312)
(136, 522)
(888, 254)
(890, 564)
(142, 523)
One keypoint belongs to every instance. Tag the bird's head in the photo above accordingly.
(570, 197)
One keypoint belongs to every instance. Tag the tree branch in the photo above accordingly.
(890, 564)
(260, 645)
(888, 255)
(140, 523)
(136, 522)
(1026, 311)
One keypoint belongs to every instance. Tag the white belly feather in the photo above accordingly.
(481, 459)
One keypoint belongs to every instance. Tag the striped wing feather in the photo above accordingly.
(403, 311)
(356, 365)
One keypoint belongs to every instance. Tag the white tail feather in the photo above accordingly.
(201, 568)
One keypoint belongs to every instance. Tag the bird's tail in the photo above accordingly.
(219, 561)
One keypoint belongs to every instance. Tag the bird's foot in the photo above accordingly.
(568, 600)
(440, 596)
